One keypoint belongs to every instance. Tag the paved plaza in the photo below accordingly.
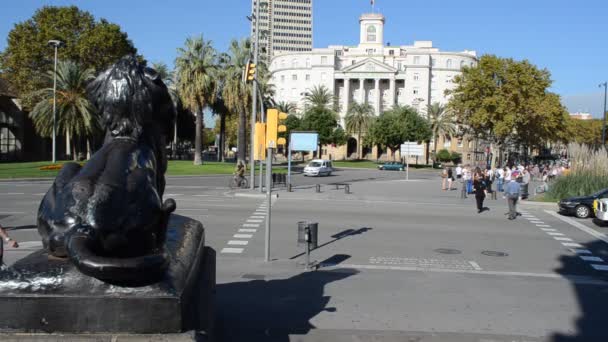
(397, 261)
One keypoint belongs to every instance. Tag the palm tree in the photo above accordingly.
(236, 93)
(441, 121)
(75, 114)
(163, 71)
(286, 107)
(319, 97)
(358, 119)
(167, 76)
(196, 65)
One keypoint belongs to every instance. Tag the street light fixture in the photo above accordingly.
(56, 44)
(605, 84)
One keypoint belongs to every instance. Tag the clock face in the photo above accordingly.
(371, 33)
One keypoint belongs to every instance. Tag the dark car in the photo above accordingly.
(581, 207)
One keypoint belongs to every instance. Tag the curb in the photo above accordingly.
(540, 204)
(249, 195)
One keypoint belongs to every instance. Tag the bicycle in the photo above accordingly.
(233, 183)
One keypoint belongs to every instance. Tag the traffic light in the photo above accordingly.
(273, 127)
(249, 71)
(259, 150)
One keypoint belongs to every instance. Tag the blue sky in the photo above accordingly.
(567, 37)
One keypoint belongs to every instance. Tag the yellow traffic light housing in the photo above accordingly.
(250, 70)
(273, 127)
(259, 150)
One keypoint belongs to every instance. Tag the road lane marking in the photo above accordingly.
(555, 234)
(580, 226)
(591, 258)
(232, 250)
(580, 251)
(537, 222)
(254, 221)
(252, 225)
(242, 236)
(245, 230)
(13, 193)
(543, 225)
(173, 195)
(238, 242)
(256, 217)
(600, 267)
(548, 229)
(572, 244)
(562, 238)
(475, 265)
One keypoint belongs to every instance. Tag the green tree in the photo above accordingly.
(357, 120)
(441, 122)
(236, 93)
(164, 72)
(75, 115)
(325, 122)
(502, 99)
(318, 98)
(27, 57)
(588, 132)
(396, 126)
(286, 107)
(444, 155)
(196, 70)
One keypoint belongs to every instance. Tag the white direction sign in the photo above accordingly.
(409, 148)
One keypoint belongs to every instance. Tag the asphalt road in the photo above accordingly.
(397, 261)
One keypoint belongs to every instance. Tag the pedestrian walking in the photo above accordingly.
(500, 178)
(5, 238)
(479, 187)
(512, 194)
(444, 179)
(458, 172)
(450, 178)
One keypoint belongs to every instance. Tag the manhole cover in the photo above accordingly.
(253, 276)
(495, 253)
(447, 251)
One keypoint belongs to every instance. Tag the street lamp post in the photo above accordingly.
(605, 84)
(56, 44)
(254, 101)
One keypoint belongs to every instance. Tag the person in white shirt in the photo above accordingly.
(500, 175)
(458, 172)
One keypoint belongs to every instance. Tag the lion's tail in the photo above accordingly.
(132, 271)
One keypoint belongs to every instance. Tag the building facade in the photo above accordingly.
(374, 72)
(581, 116)
(285, 26)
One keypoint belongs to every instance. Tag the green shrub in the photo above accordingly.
(456, 157)
(582, 183)
(444, 155)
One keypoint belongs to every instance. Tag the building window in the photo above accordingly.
(308, 62)
(371, 33)
(448, 64)
(416, 59)
(461, 64)
(323, 76)
(282, 78)
(416, 76)
(391, 52)
(433, 61)
(470, 144)
(447, 142)
(323, 60)
(308, 77)
(294, 77)
(416, 91)
(353, 62)
(460, 142)
(398, 65)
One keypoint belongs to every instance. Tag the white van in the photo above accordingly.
(318, 167)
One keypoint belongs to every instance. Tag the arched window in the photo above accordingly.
(448, 64)
(371, 33)
(461, 64)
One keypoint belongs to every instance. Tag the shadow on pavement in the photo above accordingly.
(261, 310)
(592, 299)
(336, 237)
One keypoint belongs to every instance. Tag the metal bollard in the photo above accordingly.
(289, 187)
(318, 188)
(346, 189)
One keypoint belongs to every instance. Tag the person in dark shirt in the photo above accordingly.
(479, 186)
(450, 178)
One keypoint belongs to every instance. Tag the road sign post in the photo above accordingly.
(410, 148)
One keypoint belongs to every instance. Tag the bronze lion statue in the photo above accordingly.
(108, 216)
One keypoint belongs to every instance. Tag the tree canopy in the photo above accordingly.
(396, 126)
(502, 99)
(89, 43)
(325, 123)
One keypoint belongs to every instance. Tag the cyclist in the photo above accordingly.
(239, 173)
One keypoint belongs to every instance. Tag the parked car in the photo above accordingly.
(318, 167)
(394, 166)
(600, 208)
(581, 207)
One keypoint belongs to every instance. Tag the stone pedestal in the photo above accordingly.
(42, 294)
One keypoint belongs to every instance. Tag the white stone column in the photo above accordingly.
(346, 99)
(391, 93)
(361, 90)
(377, 99)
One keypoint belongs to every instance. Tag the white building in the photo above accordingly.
(581, 116)
(372, 72)
(285, 26)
